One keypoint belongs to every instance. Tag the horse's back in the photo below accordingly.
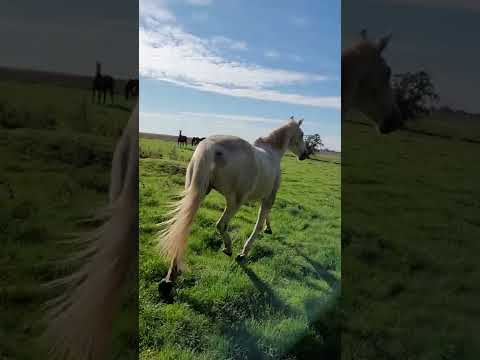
(234, 169)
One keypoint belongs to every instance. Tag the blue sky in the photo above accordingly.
(239, 67)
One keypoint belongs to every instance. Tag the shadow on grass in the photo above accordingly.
(319, 269)
(270, 297)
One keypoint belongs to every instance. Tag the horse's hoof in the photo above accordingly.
(226, 252)
(165, 288)
(241, 258)
(268, 231)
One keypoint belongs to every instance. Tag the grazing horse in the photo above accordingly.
(102, 84)
(131, 88)
(366, 83)
(182, 139)
(241, 172)
(196, 140)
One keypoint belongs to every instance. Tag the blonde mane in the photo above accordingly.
(278, 138)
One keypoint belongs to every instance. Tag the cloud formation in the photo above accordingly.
(169, 53)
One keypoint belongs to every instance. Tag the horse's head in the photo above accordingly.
(366, 83)
(296, 143)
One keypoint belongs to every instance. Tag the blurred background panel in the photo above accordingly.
(64, 102)
(410, 197)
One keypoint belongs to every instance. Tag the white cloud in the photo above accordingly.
(169, 53)
(199, 2)
(271, 54)
(240, 118)
(153, 12)
(225, 42)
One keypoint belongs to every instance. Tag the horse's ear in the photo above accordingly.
(300, 122)
(383, 42)
(363, 34)
(292, 118)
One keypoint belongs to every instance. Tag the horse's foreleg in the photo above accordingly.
(222, 224)
(262, 215)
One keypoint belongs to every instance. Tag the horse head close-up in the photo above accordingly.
(366, 83)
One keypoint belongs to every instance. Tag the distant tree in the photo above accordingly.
(414, 93)
(313, 143)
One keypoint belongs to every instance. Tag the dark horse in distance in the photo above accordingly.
(182, 139)
(102, 84)
(131, 88)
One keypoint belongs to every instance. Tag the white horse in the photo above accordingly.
(366, 84)
(241, 172)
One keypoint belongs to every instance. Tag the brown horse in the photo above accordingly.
(366, 83)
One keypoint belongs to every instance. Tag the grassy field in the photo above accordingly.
(55, 154)
(283, 304)
(410, 252)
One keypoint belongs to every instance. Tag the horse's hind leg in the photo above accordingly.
(268, 229)
(262, 216)
(222, 224)
(165, 286)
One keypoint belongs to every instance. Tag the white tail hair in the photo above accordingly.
(79, 323)
(173, 240)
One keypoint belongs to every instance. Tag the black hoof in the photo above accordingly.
(165, 289)
(268, 231)
(241, 258)
(228, 253)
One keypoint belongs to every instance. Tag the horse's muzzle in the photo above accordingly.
(303, 156)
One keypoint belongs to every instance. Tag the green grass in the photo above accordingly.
(49, 181)
(281, 304)
(410, 249)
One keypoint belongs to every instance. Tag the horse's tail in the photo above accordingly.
(173, 240)
(80, 320)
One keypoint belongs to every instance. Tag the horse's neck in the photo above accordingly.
(275, 152)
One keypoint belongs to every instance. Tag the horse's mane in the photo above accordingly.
(278, 137)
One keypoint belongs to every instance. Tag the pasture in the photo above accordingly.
(282, 304)
(409, 233)
(55, 155)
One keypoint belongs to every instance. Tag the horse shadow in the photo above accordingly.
(318, 268)
(264, 288)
